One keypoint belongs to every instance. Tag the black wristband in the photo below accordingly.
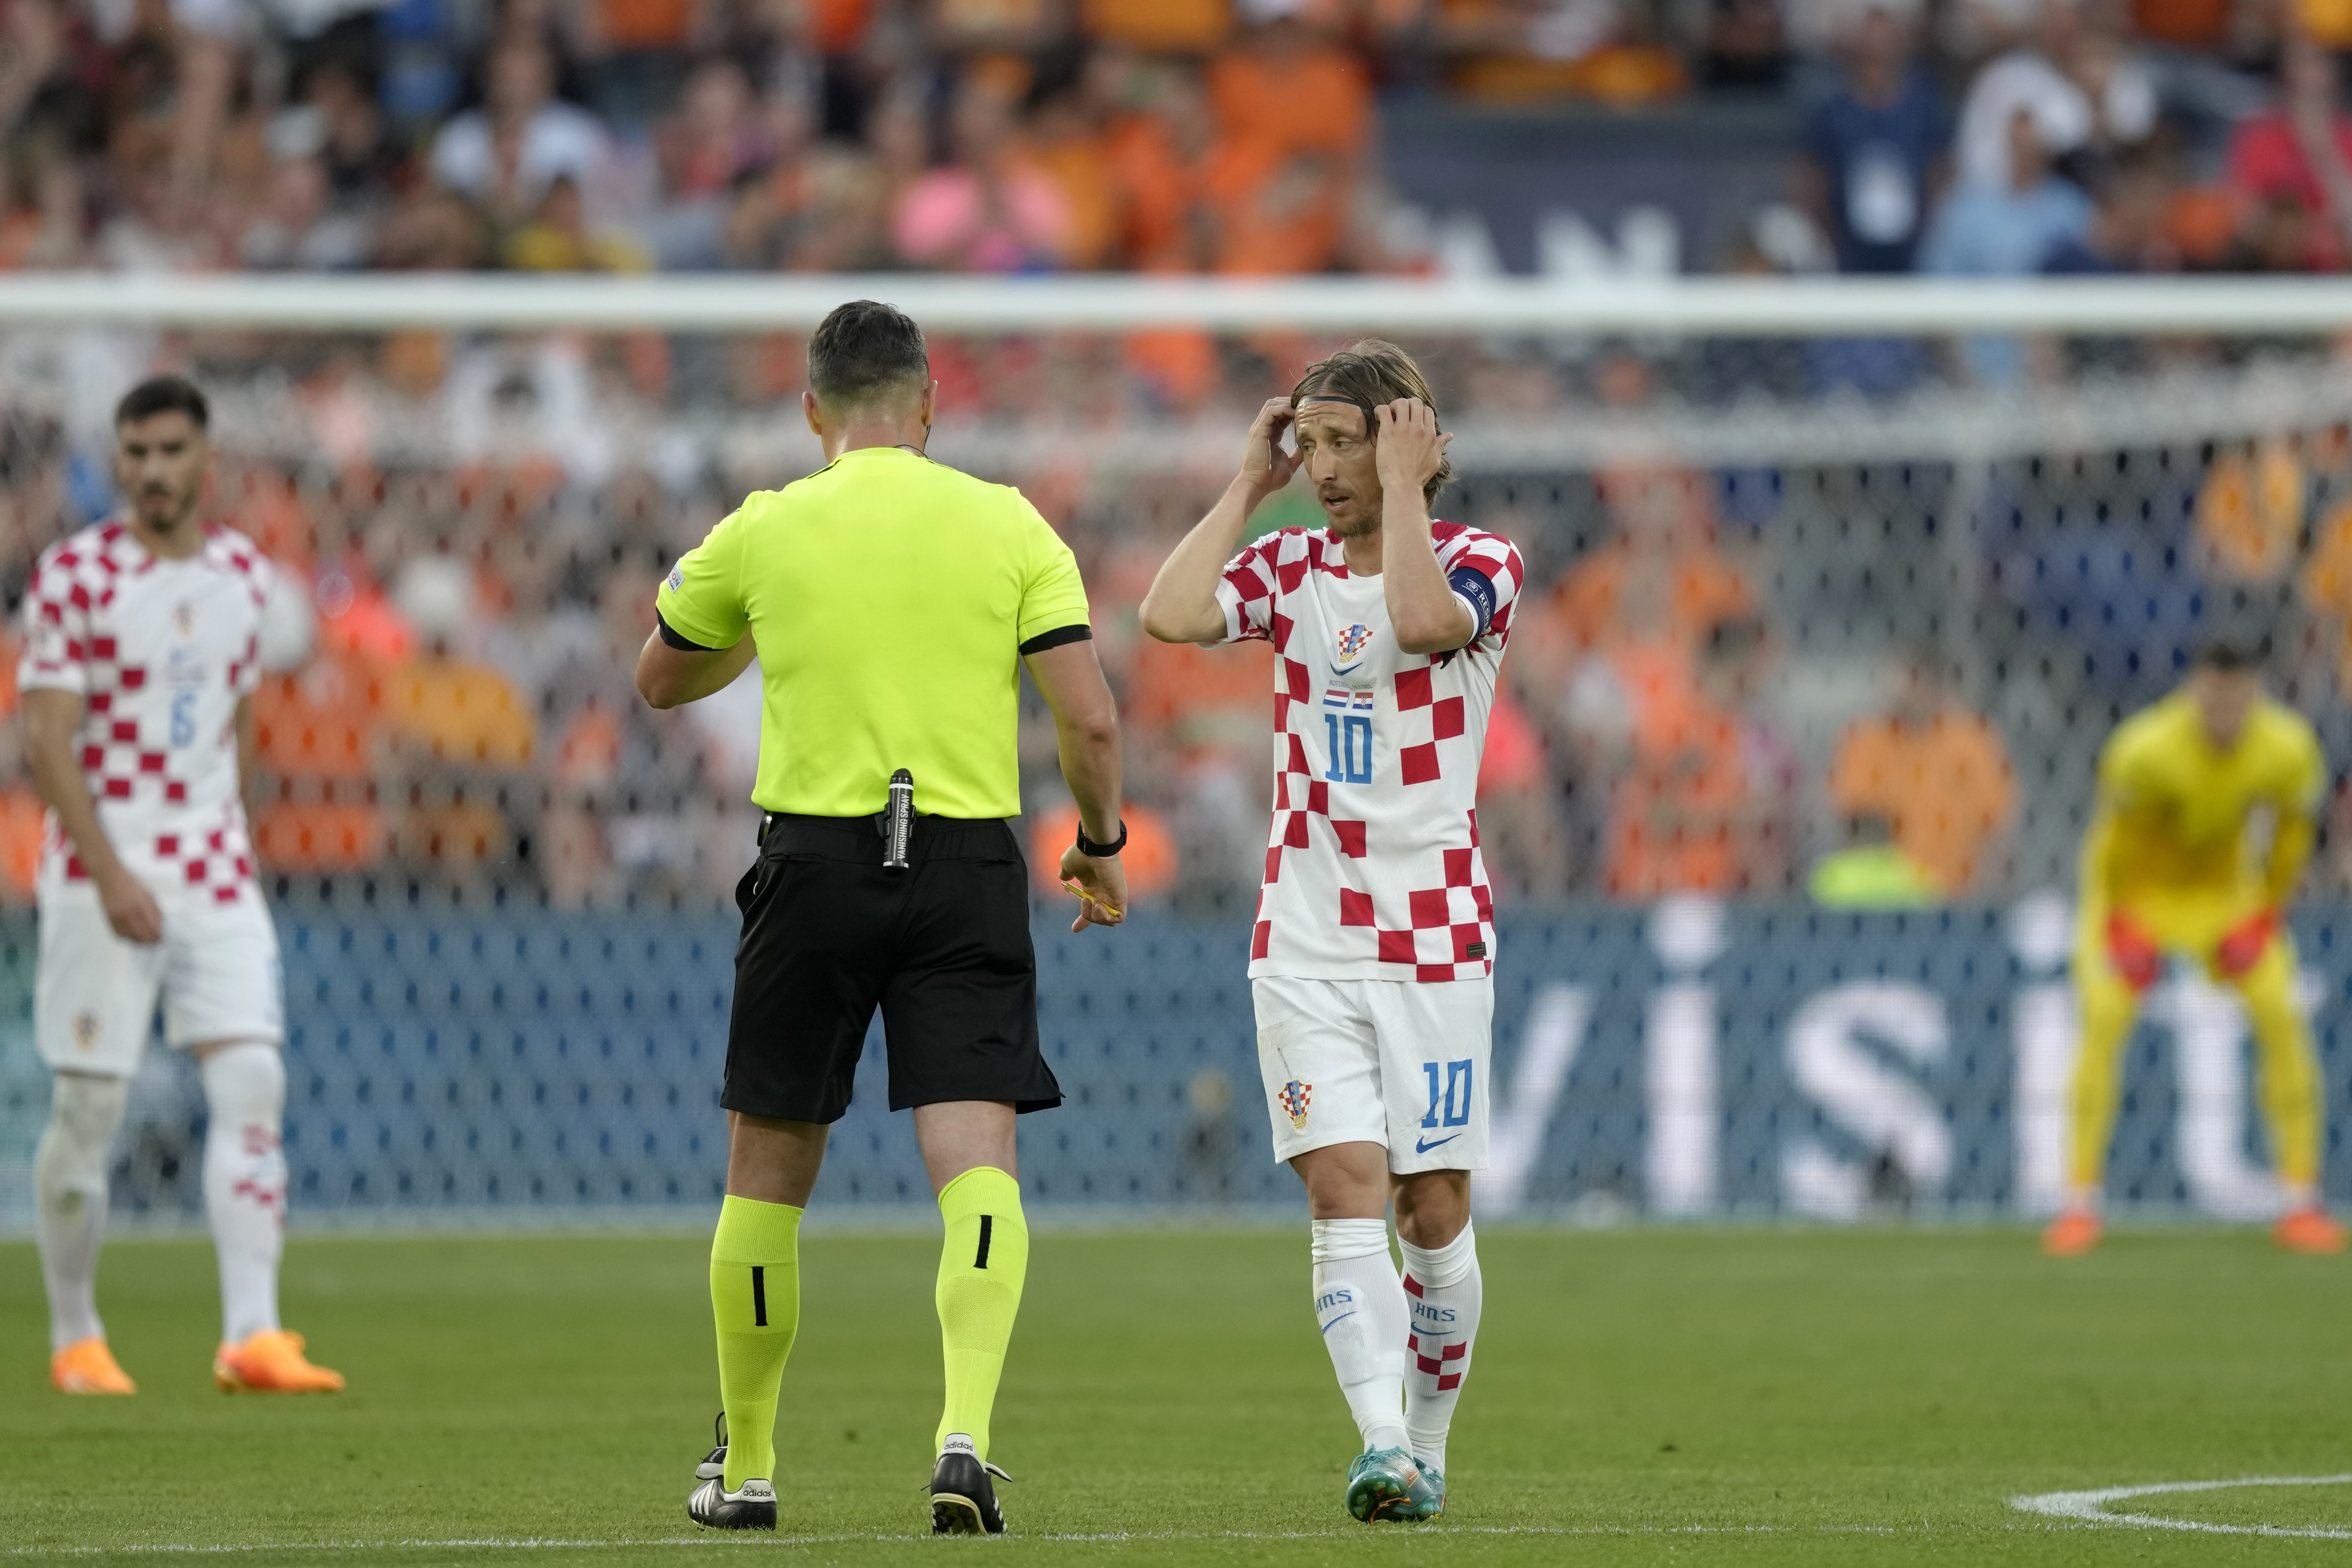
(1094, 851)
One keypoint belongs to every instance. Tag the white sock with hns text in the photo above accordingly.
(1359, 1306)
(1443, 1286)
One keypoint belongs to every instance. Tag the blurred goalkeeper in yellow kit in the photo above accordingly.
(2177, 862)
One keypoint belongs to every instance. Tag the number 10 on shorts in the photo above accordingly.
(1450, 1095)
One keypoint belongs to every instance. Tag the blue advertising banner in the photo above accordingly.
(1691, 1060)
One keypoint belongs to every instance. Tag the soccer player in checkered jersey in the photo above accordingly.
(1372, 956)
(143, 639)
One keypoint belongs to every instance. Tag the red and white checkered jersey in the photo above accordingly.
(1372, 870)
(161, 652)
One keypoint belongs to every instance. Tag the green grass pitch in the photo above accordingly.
(1767, 1396)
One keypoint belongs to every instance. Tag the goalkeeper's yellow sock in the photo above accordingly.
(755, 1299)
(983, 1262)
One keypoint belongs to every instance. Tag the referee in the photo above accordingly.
(888, 600)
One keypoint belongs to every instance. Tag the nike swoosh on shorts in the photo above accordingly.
(1422, 1147)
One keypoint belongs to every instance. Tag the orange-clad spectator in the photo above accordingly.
(1193, 701)
(1162, 156)
(2183, 24)
(319, 733)
(990, 210)
(2327, 583)
(1291, 86)
(2249, 511)
(452, 721)
(460, 715)
(837, 26)
(1278, 212)
(1702, 804)
(1069, 148)
(2291, 167)
(22, 822)
(1934, 771)
(1294, 113)
(1661, 578)
(1158, 26)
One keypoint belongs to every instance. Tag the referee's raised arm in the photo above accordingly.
(890, 602)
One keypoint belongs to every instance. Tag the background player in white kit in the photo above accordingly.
(1372, 957)
(142, 647)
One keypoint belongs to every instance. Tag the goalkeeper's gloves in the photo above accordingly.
(2243, 945)
(2134, 953)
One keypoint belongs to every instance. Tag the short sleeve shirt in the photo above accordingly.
(890, 598)
(161, 653)
(1372, 865)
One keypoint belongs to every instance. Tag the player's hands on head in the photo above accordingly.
(1408, 446)
(130, 908)
(1265, 465)
(1100, 886)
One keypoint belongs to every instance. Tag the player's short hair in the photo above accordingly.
(164, 395)
(1367, 373)
(2236, 650)
(864, 351)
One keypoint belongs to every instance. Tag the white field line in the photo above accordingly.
(2091, 1507)
(535, 1544)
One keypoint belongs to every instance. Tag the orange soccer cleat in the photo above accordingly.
(2072, 1233)
(271, 1361)
(87, 1366)
(2310, 1230)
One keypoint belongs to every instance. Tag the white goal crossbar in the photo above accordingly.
(1712, 307)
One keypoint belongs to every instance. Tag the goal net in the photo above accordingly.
(1833, 594)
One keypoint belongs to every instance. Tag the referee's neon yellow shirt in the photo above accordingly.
(888, 596)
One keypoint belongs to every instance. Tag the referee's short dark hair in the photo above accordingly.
(164, 395)
(865, 349)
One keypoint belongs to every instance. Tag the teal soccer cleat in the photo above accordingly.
(1435, 1481)
(1389, 1484)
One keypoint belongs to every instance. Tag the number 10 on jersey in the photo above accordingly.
(1350, 749)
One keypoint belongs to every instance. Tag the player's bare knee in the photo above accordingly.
(1345, 1181)
(1432, 1207)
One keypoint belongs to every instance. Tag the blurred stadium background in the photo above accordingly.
(1838, 581)
(1781, 798)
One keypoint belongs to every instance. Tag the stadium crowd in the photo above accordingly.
(1962, 137)
(1705, 692)
(1726, 680)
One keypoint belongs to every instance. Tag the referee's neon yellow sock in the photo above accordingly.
(983, 1263)
(755, 1299)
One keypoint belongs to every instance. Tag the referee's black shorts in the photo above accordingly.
(942, 948)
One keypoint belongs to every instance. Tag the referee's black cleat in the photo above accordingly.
(715, 1467)
(963, 1500)
(713, 1507)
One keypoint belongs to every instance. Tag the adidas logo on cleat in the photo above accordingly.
(964, 1500)
(713, 1507)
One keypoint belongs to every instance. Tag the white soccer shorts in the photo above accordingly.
(94, 995)
(1393, 1062)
